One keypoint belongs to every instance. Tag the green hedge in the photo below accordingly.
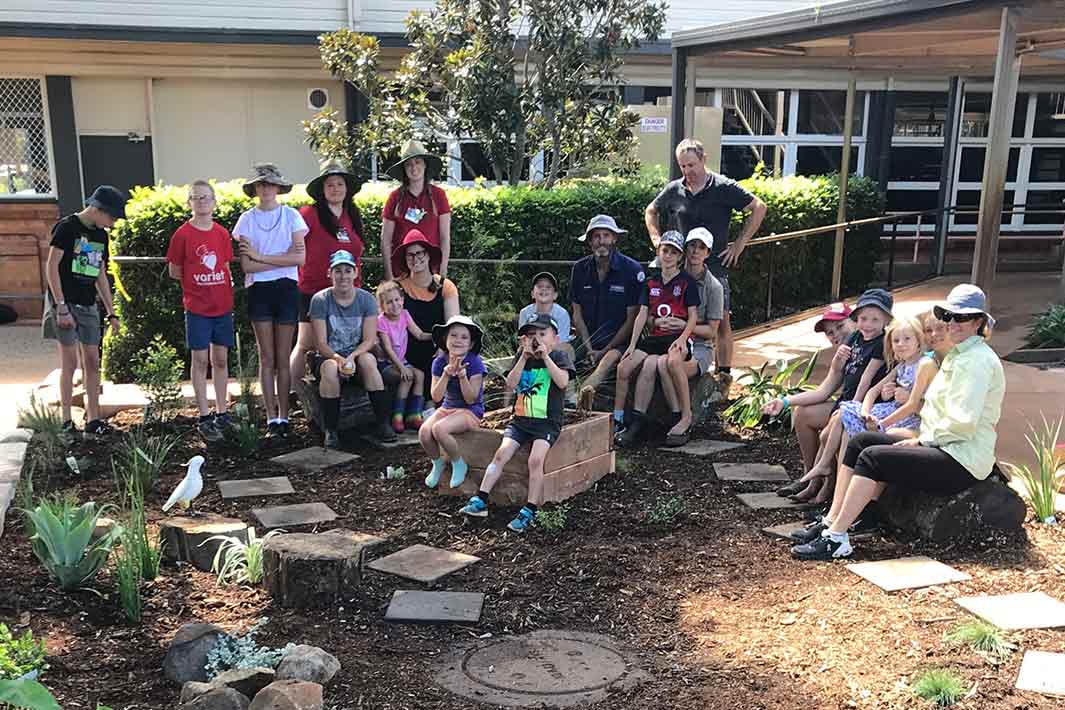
(508, 223)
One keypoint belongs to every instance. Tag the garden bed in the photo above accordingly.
(721, 616)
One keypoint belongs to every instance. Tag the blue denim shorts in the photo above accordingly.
(203, 331)
(275, 301)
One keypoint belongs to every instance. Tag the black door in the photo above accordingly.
(116, 160)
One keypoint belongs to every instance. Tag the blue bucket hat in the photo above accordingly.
(109, 199)
(965, 299)
(877, 297)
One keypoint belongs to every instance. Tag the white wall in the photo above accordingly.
(106, 106)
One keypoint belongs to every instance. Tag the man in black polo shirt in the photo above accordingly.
(701, 198)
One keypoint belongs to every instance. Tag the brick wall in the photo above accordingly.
(25, 230)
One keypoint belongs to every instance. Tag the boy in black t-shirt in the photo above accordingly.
(76, 272)
(539, 378)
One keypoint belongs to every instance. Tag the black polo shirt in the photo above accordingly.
(604, 304)
(711, 207)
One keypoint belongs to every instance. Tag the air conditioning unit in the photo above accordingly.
(317, 99)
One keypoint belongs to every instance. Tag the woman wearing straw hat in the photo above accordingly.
(271, 252)
(956, 445)
(416, 204)
(335, 224)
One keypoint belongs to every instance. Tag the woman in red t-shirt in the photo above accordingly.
(335, 223)
(416, 204)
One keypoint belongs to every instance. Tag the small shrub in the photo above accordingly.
(553, 521)
(981, 637)
(246, 435)
(141, 456)
(665, 510)
(243, 652)
(41, 418)
(27, 694)
(236, 561)
(746, 411)
(1047, 329)
(158, 372)
(20, 655)
(246, 371)
(62, 532)
(1041, 485)
(128, 569)
(939, 686)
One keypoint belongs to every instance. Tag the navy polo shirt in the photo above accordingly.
(604, 305)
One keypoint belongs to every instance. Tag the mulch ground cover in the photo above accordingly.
(720, 614)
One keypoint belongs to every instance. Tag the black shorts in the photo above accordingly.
(305, 307)
(274, 301)
(659, 345)
(316, 361)
(523, 432)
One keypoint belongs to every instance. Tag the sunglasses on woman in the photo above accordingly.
(947, 316)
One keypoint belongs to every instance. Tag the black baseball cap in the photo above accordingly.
(546, 275)
(109, 199)
(537, 320)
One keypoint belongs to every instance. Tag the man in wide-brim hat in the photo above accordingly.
(415, 149)
(266, 173)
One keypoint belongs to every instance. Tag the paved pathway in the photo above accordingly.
(27, 360)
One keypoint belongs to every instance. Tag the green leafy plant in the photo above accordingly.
(552, 521)
(141, 456)
(393, 473)
(62, 540)
(145, 549)
(27, 694)
(237, 561)
(246, 435)
(245, 371)
(1041, 483)
(665, 510)
(765, 386)
(158, 372)
(982, 637)
(20, 655)
(128, 566)
(243, 652)
(41, 418)
(1047, 329)
(939, 686)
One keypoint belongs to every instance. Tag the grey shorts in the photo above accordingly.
(726, 306)
(86, 330)
(703, 355)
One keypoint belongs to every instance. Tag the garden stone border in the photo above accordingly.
(13, 447)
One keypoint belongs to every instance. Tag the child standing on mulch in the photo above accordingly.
(540, 375)
(458, 380)
(395, 327)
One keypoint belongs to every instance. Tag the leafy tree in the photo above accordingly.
(518, 76)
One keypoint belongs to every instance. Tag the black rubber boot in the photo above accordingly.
(382, 409)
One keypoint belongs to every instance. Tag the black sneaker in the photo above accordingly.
(70, 429)
(630, 436)
(823, 548)
(866, 524)
(385, 432)
(225, 424)
(809, 533)
(97, 427)
(283, 429)
(209, 431)
(274, 430)
(814, 515)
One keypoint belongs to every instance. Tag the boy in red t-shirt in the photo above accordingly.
(199, 255)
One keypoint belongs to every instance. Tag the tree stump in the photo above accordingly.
(988, 504)
(313, 570)
(186, 539)
(356, 411)
(706, 390)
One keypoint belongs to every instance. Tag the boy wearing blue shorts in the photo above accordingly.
(198, 257)
(539, 378)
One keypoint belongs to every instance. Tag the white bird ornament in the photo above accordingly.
(190, 487)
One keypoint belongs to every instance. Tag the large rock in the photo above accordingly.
(988, 504)
(218, 699)
(186, 659)
(247, 681)
(308, 663)
(288, 695)
(194, 689)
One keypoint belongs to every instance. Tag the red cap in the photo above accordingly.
(835, 312)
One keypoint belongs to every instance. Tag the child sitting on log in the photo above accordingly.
(540, 375)
(395, 327)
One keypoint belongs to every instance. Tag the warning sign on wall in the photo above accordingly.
(654, 124)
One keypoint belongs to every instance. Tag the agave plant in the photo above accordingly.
(766, 386)
(62, 540)
(1042, 483)
(237, 561)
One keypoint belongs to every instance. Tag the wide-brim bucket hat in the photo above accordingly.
(476, 334)
(316, 187)
(966, 299)
(415, 149)
(601, 221)
(399, 254)
(267, 173)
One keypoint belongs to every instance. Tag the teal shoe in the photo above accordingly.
(475, 508)
(434, 474)
(458, 472)
(523, 521)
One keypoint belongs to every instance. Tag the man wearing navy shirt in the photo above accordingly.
(605, 292)
(701, 198)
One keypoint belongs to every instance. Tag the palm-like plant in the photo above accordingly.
(237, 561)
(765, 387)
(62, 540)
(1041, 484)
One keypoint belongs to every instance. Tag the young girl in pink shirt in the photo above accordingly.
(395, 327)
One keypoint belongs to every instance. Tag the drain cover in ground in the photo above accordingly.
(769, 501)
(273, 486)
(285, 516)
(314, 458)
(435, 607)
(1042, 672)
(705, 447)
(544, 668)
(423, 563)
(907, 573)
(750, 472)
(1031, 610)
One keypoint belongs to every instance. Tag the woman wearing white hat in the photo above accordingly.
(956, 445)
(416, 204)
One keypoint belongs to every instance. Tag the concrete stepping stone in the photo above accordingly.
(407, 438)
(314, 458)
(11, 456)
(285, 516)
(704, 447)
(252, 487)
(1029, 610)
(423, 563)
(770, 501)
(907, 573)
(784, 531)
(435, 607)
(751, 472)
(1042, 672)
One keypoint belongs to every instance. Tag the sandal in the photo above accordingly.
(791, 488)
(675, 440)
(807, 493)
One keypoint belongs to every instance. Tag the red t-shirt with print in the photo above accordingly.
(670, 298)
(204, 256)
(314, 274)
(409, 212)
